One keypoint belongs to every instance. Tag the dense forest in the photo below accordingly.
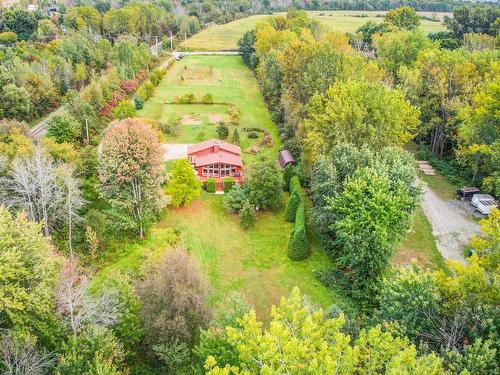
(345, 105)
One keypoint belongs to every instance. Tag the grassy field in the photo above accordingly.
(231, 83)
(225, 37)
(254, 262)
(419, 246)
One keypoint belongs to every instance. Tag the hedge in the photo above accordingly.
(292, 205)
(294, 184)
(298, 245)
(211, 185)
(228, 184)
(288, 173)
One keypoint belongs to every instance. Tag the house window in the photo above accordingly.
(227, 170)
(204, 172)
(213, 170)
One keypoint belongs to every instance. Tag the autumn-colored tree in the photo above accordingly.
(131, 173)
(173, 300)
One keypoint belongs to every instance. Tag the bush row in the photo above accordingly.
(146, 89)
(298, 245)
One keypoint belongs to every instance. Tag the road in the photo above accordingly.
(451, 227)
(176, 54)
(40, 129)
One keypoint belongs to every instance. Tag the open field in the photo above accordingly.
(231, 83)
(225, 37)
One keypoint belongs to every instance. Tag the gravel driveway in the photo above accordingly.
(451, 228)
(174, 151)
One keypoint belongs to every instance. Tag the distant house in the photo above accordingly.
(216, 159)
(285, 158)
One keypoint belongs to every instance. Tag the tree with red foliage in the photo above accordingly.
(131, 173)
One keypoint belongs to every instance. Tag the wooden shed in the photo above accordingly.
(285, 158)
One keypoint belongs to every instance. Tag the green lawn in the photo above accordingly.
(254, 262)
(225, 37)
(231, 83)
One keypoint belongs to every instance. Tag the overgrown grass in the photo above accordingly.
(225, 37)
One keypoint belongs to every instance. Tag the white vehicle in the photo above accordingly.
(478, 197)
(486, 205)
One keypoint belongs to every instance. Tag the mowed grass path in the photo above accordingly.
(230, 82)
(253, 262)
(225, 37)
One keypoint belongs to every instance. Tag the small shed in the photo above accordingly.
(466, 193)
(285, 158)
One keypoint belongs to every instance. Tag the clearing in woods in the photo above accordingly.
(252, 262)
(225, 37)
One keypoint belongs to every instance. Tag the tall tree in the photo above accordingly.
(403, 18)
(300, 339)
(131, 173)
(28, 272)
(360, 113)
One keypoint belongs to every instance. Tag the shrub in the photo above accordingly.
(208, 99)
(129, 86)
(288, 173)
(298, 245)
(138, 102)
(292, 205)
(124, 109)
(187, 98)
(264, 186)
(236, 137)
(183, 186)
(253, 135)
(8, 38)
(171, 125)
(210, 185)
(235, 198)
(247, 216)
(228, 184)
(63, 128)
(294, 184)
(222, 131)
(234, 115)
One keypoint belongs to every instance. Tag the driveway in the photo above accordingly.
(174, 151)
(450, 225)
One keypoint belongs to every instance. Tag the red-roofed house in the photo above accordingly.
(216, 159)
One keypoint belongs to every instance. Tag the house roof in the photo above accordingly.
(223, 157)
(285, 158)
(212, 143)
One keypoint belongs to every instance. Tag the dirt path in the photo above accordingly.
(451, 228)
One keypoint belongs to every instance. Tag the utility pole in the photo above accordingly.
(87, 129)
